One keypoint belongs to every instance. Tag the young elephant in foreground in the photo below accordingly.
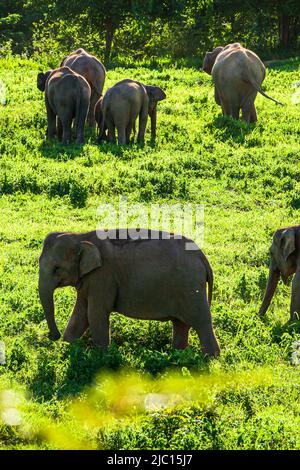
(120, 107)
(285, 261)
(237, 75)
(67, 97)
(153, 278)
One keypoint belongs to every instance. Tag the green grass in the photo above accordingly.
(247, 178)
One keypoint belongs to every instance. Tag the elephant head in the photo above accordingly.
(64, 261)
(155, 94)
(41, 79)
(210, 58)
(283, 262)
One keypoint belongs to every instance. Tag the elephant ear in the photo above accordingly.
(288, 243)
(90, 258)
(41, 80)
(155, 93)
(210, 58)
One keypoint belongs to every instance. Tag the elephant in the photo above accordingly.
(99, 119)
(67, 96)
(237, 75)
(285, 261)
(93, 71)
(150, 276)
(122, 104)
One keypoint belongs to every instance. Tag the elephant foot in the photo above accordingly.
(211, 353)
(54, 336)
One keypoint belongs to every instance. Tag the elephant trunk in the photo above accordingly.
(270, 289)
(46, 297)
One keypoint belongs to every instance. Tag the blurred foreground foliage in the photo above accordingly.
(244, 409)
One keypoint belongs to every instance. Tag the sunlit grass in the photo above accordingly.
(247, 177)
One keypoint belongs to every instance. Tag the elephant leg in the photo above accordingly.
(248, 109)
(295, 298)
(234, 109)
(51, 121)
(225, 108)
(129, 129)
(143, 117)
(180, 334)
(99, 325)
(59, 129)
(111, 132)
(91, 113)
(153, 122)
(121, 135)
(78, 322)
(66, 120)
(80, 122)
(66, 136)
(201, 321)
(253, 114)
(217, 97)
(230, 108)
(80, 135)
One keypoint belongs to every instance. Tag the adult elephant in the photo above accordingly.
(93, 71)
(285, 261)
(237, 75)
(146, 274)
(122, 104)
(67, 97)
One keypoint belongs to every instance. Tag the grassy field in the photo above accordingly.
(247, 178)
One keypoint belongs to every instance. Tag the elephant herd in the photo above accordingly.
(154, 276)
(73, 92)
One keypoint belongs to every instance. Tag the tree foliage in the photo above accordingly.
(177, 28)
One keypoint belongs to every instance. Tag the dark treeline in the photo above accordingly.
(115, 29)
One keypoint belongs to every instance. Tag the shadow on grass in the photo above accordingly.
(231, 129)
(85, 363)
(57, 151)
(278, 330)
(283, 65)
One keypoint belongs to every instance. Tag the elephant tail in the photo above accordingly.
(209, 278)
(210, 282)
(257, 88)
